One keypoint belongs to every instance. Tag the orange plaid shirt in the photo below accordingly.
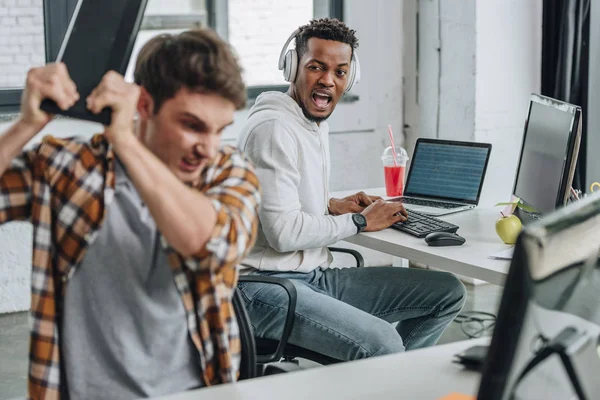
(64, 188)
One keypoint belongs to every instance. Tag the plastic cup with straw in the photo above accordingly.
(394, 164)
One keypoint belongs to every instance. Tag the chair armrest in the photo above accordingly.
(360, 261)
(287, 285)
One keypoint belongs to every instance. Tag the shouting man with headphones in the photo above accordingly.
(341, 313)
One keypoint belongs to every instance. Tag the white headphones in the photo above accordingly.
(288, 63)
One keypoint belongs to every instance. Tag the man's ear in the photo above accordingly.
(145, 106)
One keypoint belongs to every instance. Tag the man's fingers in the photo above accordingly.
(399, 218)
(55, 92)
(403, 211)
(53, 82)
(374, 198)
(363, 199)
(101, 98)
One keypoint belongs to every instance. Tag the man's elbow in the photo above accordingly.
(281, 244)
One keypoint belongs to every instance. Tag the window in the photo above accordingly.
(256, 29)
(168, 16)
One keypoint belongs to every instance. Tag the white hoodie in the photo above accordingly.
(291, 157)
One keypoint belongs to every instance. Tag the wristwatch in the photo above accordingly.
(360, 221)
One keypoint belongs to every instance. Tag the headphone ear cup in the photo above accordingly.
(354, 73)
(351, 75)
(291, 65)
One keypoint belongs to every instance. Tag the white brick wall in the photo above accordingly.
(21, 40)
(257, 31)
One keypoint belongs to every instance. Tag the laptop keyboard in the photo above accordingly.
(430, 203)
(420, 225)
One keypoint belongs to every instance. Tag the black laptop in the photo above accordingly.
(445, 176)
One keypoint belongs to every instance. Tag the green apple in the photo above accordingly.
(508, 228)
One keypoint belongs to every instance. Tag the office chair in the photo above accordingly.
(271, 351)
(250, 367)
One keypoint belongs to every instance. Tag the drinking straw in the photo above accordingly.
(393, 146)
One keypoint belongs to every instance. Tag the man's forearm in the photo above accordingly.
(183, 215)
(13, 141)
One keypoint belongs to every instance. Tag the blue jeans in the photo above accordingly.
(348, 313)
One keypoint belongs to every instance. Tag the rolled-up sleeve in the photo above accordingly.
(234, 191)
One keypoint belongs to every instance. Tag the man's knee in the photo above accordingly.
(456, 294)
(382, 338)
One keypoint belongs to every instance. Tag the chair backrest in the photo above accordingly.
(248, 363)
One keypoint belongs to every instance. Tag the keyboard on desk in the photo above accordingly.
(420, 225)
(430, 203)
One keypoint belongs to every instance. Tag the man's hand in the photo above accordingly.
(122, 98)
(381, 215)
(351, 204)
(52, 82)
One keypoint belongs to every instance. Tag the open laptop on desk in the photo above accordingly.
(445, 176)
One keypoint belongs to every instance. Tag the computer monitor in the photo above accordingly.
(548, 153)
(546, 338)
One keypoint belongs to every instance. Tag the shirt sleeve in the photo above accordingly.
(234, 191)
(15, 188)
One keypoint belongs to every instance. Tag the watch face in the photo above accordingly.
(359, 220)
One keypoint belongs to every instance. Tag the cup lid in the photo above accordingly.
(401, 154)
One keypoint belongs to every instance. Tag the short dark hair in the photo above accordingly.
(197, 60)
(325, 28)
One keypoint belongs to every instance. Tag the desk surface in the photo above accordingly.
(471, 259)
(419, 374)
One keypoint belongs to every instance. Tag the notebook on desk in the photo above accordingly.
(445, 176)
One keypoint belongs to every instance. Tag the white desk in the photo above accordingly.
(477, 226)
(419, 374)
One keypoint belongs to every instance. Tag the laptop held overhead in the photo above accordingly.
(445, 176)
(100, 38)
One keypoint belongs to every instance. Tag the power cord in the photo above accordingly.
(475, 323)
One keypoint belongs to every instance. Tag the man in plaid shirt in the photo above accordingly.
(138, 231)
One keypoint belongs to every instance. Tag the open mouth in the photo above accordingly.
(190, 164)
(321, 99)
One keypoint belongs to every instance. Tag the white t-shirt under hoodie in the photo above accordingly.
(291, 157)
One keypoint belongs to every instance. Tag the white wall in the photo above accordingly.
(490, 63)
(508, 70)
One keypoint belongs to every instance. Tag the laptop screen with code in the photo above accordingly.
(448, 170)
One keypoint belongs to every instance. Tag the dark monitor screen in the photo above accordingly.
(550, 300)
(548, 153)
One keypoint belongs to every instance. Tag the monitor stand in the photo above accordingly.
(564, 345)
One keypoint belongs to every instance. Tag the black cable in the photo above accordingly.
(475, 323)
